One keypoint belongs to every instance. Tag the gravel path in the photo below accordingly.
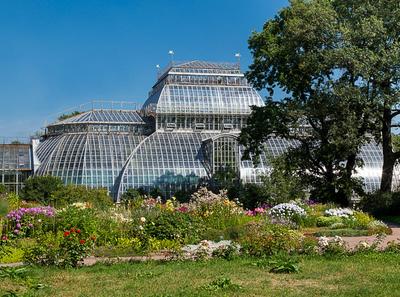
(350, 241)
(353, 241)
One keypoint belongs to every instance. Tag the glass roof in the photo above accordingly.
(197, 66)
(92, 159)
(185, 99)
(104, 116)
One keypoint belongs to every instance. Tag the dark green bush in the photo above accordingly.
(379, 204)
(41, 188)
(174, 226)
(69, 194)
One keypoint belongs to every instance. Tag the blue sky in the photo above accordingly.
(57, 54)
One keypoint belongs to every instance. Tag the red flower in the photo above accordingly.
(66, 233)
(78, 231)
(72, 230)
(82, 241)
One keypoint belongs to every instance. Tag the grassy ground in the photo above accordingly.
(361, 275)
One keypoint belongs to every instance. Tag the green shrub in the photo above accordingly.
(379, 204)
(69, 194)
(41, 188)
(182, 227)
(132, 198)
(378, 227)
(85, 219)
(362, 220)
(13, 201)
(64, 249)
(328, 221)
(261, 239)
(46, 250)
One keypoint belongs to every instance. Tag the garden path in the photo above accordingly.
(353, 241)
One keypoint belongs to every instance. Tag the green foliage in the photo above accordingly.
(41, 188)
(3, 189)
(281, 263)
(68, 115)
(65, 249)
(361, 220)
(46, 250)
(342, 232)
(3, 207)
(174, 226)
(132, 198)
(282, 185)
(380, 204)
(227, 252)
(221, 283)
(328, 221)
(13, 272)
(251, 195)
(13, 201)
(69, 194)
(326, 60)
(266, 240)
(85, 219)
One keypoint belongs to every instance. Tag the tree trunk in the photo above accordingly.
(387, 150)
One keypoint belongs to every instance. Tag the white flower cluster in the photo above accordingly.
(324, 243)
(377, 224)
(339, 212)
(120, 216)
(286, 211)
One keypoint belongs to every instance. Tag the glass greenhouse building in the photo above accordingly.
(185, 132)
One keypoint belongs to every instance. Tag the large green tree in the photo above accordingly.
(312, 51)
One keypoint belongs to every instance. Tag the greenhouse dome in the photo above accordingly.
(186, 131)
(90, 148)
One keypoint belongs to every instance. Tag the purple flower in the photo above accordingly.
(16, 231)
(18, 226)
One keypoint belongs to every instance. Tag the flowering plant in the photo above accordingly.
(339, 212)
(331, 246)
(24, 220)
(286, 213)
(75, 247)
(256, 211)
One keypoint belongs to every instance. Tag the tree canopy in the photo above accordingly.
(331, 58)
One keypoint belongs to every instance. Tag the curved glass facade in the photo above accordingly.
(92, 157)
(186, 131)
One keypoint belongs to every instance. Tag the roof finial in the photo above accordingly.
(171, 54)
(158, 70)
(238, 55)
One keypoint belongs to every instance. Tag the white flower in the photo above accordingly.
(339, 212)
(143, 220)
(323, 241)
(364, 244)
(286, 211)
(141, 227)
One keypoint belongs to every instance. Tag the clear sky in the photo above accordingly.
(58, 54)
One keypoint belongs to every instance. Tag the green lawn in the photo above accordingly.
(361, 275)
